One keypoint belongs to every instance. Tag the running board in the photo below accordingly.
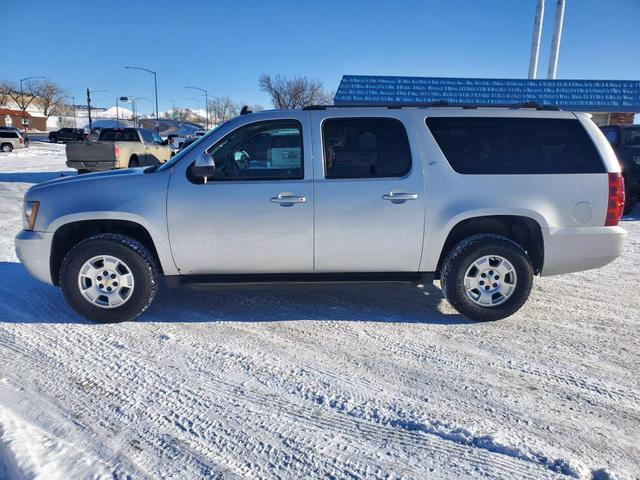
(258, 279)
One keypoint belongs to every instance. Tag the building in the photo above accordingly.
(13, 118)
(609, 101)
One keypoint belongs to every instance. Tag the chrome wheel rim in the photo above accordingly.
(106, 281)
(490, 281)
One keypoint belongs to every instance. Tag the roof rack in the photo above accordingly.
(438, 103)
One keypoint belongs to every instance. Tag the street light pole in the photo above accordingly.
(24, 109)
(155, 84)
(206, 97)
(89, 92)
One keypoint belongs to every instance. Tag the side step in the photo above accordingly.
(199, 282)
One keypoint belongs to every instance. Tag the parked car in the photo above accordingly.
(482, 199)
(68, 135)
(11, 139)
(118, 148)
(625, 140)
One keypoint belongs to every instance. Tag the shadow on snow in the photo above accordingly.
(26, 300)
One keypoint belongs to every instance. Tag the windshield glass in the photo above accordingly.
(632, 136)
(185, 151)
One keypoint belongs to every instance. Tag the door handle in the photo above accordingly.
(286, 199)
(400, 196)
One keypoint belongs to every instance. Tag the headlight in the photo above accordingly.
(30, 214)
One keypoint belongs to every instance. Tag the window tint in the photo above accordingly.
(260, 151)
(493, 146)
(632, 136)
(365, 148)
(119, 136)
(8, 135)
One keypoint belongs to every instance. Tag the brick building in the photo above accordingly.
(13, 118)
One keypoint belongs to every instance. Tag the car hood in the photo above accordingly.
(88, 178)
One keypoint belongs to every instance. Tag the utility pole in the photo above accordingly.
(555, 41)
(117, 114)
(535, 42)
(89, 92)
(73, 101)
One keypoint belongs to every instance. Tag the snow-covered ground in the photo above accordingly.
(335, 381)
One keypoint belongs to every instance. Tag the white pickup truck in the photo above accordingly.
(118, 148)
(483, 199)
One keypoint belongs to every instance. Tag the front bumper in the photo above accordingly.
(575, 249)
(34, 250)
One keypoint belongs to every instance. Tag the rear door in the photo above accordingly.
(369, 190)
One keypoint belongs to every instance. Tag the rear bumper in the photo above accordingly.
(581, 248)
(33, 250)
(92, 166)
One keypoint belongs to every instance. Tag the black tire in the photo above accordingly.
(460, 259)
(6, 147)
(133, 253)
(133, 162)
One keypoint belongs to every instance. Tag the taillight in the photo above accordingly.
(616, 199)
(116, 150)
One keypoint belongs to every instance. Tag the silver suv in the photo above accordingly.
(10, 139)
(483, 199)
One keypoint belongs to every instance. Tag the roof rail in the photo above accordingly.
(438, 103)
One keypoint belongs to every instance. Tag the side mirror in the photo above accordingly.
(204, 166)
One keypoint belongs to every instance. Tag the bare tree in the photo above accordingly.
(5, 88)
(49, 97)
(222, 109)
(21, 99)
(296, 92)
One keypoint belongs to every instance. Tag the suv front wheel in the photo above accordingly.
(487, 277)
(109, 278)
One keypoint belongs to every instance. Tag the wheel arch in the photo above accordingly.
(69, 234)
(524, 230)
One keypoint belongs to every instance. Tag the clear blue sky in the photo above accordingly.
(225, 45)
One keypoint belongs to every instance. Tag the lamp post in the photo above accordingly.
(155, 84)
(89, 92)
(135, 109)
(206, 99)
(24, 109)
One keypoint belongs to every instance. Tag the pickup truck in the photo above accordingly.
(482, 199)
(118, 148)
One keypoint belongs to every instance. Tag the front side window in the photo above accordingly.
(260, 151)
(365, 148)
(516, 146)
(156, 138)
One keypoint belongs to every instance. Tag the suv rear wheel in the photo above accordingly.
(487, 277)
(109, 278)
(6, 147)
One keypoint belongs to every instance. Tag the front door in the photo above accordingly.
(256, 214)
(369, 192)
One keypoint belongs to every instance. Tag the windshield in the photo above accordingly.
(184, 151)
(632, 136)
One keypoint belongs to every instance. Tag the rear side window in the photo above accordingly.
(516, 146)
(8, 135)
(365, 148)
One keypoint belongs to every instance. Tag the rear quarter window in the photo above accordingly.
(516, 146)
